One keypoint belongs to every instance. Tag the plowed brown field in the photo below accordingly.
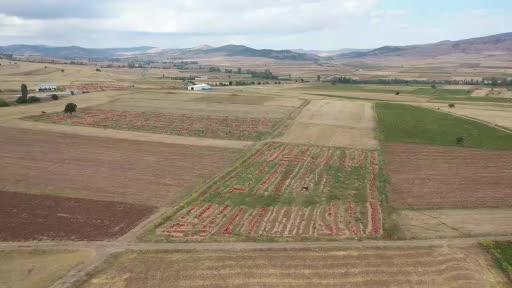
(357, 267)
(26, 217)
(424, 176)
(105, 169)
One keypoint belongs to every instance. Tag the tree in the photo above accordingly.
(459, 140)
(451, 105)
(70, 108)
(318, 78)
(230, 83)
(62, 70)
(397, 93)
(239, 70)
(131, 65)
(24, 93)
(433, 86)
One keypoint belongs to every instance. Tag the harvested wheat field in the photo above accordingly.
(424, 176)
(496, 115)
(289, 191)
(37, 268)
(334, 123)
(323, 267)
(25, 217)
(99, 168)
(445, 223)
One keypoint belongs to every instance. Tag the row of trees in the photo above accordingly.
(493, 81)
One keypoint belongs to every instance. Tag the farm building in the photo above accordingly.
(201, 78)
(200, 87)
(46, 87)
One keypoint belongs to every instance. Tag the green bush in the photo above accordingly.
(55, 97)
(3, 103)
(33, 99)
(70, 108)
(21, 100)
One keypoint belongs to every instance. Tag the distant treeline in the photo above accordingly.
(267, 74)
(493, 81)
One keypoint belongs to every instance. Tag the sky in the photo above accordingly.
(273, 24)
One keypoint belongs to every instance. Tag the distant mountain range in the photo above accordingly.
(501, 43)
(482, 45)
(72, 52)
(326, 53)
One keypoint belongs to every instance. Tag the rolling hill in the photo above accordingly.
(71, 52)
(500, 43)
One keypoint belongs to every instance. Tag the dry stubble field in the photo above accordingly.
(37, 268)
(150, 173)
(408, 266)
(449, 223)
(334, 123)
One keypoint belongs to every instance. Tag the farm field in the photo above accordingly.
(37, 268)
(408, 124)
(431, 266)
(449, 223)
(219, 127)
(334, 123)
(424, 176)
(288, 191)
(29, 217)
(370, 96)
(181, 115)
(501, 115)
(150, 173)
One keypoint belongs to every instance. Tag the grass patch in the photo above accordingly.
(3, 103)
(409, 124)
(502, 252)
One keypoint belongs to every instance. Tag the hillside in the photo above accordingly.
(482, 45)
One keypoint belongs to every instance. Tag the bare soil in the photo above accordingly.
(424, 176)
(151, 173)
(25, 217)
(308, 267)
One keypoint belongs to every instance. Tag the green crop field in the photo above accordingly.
(502, 251)
(409, 124)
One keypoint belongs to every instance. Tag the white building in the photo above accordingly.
(47, 87)
(199, 87)
(201, 78)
